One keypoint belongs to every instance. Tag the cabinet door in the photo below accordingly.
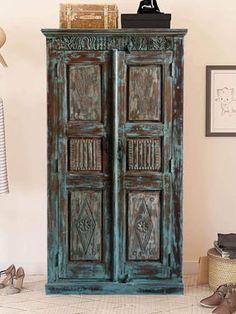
(145, 123)
(84, 166)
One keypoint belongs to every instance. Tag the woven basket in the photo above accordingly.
(221, 270)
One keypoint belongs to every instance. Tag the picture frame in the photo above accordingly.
(221, 100)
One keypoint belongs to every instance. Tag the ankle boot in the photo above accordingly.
(217, 297)
(228, 306)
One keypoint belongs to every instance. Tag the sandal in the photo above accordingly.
(9, 273)
(18, 283)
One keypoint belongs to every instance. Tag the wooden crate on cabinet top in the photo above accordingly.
(88, 16)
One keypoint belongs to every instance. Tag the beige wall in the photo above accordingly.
(209, 163)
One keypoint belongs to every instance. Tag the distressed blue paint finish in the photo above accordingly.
(177, 157)
(52, 153)
(98, 288)
(115, 177)
(72, 168)
(149, 161)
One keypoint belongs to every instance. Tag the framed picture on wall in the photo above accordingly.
(220, 100)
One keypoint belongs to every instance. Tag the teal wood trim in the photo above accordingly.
(138, 128)
(167, 185)
(177, 159)
(120, 39)
(57, 31)
(123, 274)
(97, 288)
(52, 184)
(166, 224)
(115, 166)
(62, 153)
(83, 182)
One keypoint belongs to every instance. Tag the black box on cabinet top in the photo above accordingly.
(150, 20)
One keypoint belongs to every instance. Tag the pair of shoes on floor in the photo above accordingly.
(223, 299)
(13, 280)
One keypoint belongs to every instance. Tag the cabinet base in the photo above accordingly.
(72, 287)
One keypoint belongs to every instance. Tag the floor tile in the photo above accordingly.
(4, 300)
(7, 310)
(61, 310)
(64, 300)
(33, 300)
(191, 310)
(30, 305)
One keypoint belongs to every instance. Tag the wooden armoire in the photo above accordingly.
(115, 136)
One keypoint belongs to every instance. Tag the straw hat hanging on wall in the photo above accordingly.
(3, 162)
(2, 42)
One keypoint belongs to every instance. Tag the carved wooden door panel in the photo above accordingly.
(114, 200)
(84, 165)
(145, 124)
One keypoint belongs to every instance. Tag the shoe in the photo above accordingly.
(17, 284)
(9, 275)
(20, 275)
(217, 297)
(228, 306)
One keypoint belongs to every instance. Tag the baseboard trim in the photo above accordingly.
(30, 268)
(190, 267)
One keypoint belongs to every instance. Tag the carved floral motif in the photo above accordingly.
(109, 42)
(85, 225)
(143, 225)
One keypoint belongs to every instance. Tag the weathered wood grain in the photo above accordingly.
(84, 170)
(85, 92)
(115, 141)
(85, 155)
(144, 154)
(177, 155)
(52, 177)
(115, 165)
(144, 225)
(85, 225)
(144, 93)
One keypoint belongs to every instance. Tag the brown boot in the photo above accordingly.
(217, 297)
(228, 306)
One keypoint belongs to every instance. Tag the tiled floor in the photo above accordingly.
(32, 299)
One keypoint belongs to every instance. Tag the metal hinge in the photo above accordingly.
(169, 260)
(170, 265)
(56, 70)
(171, 165)
(171, 69)
(56, 165)
(56, 260)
